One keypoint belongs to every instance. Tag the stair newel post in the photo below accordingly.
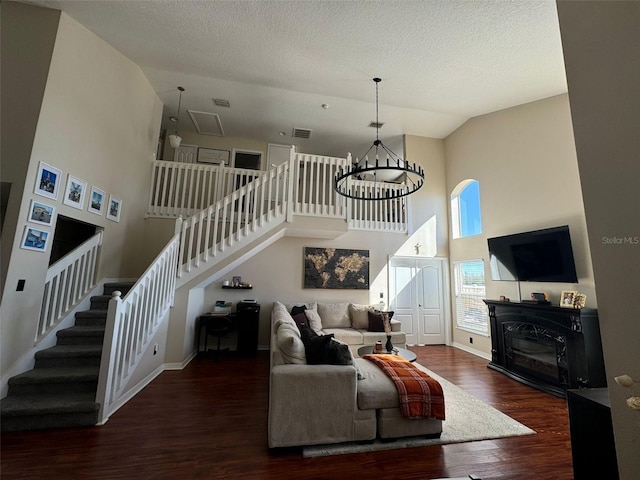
(108, 361)
(289, 197)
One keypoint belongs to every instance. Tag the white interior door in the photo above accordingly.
(277, 154)
(185, 154)
(417, 296)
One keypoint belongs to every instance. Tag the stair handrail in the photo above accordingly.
(66, 283)
(132, 321)
(232, 219)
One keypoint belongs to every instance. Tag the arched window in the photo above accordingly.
(465, 209)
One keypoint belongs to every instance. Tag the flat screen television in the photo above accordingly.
(537, 256)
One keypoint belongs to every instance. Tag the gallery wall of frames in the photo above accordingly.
(76, 193)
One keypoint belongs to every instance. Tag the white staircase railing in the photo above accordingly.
(313, 186)
(231, 220)
(67, 282)
(185, 189)
(181, 189)
(132, 322)
(380, 215)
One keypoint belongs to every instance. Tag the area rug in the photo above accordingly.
(467, 419)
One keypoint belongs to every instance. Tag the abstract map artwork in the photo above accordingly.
(336, 268)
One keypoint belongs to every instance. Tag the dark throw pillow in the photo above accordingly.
(306, 333)
(324, 349)
(338, 353)
(300, 319)
(297, 310)
(377, 320)
(316, 349)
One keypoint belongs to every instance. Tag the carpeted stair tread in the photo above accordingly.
(21, 405)
(123, 287)
(94, 313)
(56, 375)
(81, 330)
(70, 351)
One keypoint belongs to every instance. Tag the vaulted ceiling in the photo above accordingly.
(278, 62)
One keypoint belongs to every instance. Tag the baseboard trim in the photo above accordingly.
(473, 351)
(133, 391)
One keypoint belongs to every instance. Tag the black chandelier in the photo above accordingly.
(413, 176)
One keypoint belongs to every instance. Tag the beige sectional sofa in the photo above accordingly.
(322, 404)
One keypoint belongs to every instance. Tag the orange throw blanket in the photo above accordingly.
(420, 395)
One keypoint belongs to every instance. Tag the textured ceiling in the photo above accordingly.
(442, 62)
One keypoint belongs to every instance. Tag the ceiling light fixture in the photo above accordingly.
(174, 138)
(361, 169)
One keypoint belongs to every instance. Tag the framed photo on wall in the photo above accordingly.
(41, 213)
(74, 192)
(336, 268)
(48, 181)
(213, 156)
(34, 239)
(96, 201)
(113, 210)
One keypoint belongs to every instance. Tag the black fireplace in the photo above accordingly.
(549, 348)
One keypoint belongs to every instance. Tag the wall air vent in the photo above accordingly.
(221, 102)
(302, 133)
(376, 124)
(206, 123)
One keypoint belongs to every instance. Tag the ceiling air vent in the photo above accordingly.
(221, 102)
(302, 133)
(376, 124)
(206, 123)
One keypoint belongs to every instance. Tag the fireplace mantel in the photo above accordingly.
(547, 347)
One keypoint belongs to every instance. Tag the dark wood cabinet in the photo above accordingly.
(592, 442)
(247, 321)
(547, 347)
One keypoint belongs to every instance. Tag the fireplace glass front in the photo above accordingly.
(536, 352)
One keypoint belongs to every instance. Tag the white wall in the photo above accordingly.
(524, 159)
(99, 121)
(277, 274)
(221, 143)
(601, 43)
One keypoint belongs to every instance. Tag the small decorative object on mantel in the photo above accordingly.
(567, 298)
(579, 300)
(237, 281)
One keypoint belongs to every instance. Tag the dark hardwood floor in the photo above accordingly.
(209, 421)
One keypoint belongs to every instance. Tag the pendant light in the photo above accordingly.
(174, 138)
(413, 175)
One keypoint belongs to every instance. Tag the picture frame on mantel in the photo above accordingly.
(567, 298)
(213, 156)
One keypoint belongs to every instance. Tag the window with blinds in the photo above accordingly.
(471, 311)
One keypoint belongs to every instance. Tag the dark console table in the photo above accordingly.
(592, 443)
(547, 347)
(246, 322)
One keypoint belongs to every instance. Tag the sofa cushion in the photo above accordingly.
(349, 336)
(376, 389)
(280, 315)
(290, 344)
(334, 315)
(358, 314)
